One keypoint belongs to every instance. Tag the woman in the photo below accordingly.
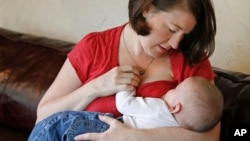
(164, 42)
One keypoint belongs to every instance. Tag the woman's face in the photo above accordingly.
(167, 30)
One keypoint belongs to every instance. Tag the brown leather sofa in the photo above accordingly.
(29, 64)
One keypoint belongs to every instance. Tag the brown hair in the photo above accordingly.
(197, 45)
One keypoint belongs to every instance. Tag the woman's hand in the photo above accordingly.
(120, 132)
(122, 78)
(116, 132)
(59, 94)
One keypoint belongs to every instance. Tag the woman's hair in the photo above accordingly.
(197, 45)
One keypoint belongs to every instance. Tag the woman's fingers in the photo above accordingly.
(88, 136)
(96, 136)
(128, 78)
(107, 119)
(128, 75)
(121, 78)
(129, 68)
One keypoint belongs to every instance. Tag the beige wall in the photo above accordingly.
(71, 19)
(233, 36)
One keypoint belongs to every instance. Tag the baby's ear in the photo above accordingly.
(175, 108)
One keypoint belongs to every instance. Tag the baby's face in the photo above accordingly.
(174, 96)
(170, 96)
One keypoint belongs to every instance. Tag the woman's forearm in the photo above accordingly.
(77, 101)
(66, 93)
(173, 134)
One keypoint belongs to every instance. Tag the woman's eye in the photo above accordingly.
(171, 31)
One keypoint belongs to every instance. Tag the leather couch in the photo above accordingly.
(29, 64)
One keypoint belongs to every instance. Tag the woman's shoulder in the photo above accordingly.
(95, 41)
(104, 35)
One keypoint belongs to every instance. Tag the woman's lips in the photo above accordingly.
(162, 49)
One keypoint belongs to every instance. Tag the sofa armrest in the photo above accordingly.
(235, 87)
(28, 65)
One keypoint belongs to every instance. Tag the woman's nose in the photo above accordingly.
(174, 41)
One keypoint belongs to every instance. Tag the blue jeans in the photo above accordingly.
(64, 126)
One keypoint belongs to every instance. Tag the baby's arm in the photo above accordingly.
(128, 104)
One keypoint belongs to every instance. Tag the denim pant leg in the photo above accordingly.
(85, 122)
(64, 126)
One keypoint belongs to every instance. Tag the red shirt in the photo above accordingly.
(97, 53)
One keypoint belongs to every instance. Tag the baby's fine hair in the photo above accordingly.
(205, 106)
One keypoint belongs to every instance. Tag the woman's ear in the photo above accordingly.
(146, 12)
(175, 108)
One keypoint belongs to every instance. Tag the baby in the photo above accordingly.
(195, 104)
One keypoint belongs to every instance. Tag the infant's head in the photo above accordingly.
(196, 104)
